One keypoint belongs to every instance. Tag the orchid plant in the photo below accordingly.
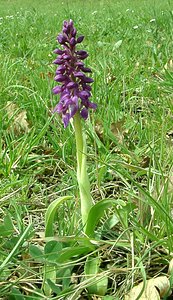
(74, 90)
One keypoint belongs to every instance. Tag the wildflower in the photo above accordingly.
(135, 27)
(74, 88)
(9, 17)
(94, 12)
(152, 20)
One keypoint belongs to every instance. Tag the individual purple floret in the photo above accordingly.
(74, 88)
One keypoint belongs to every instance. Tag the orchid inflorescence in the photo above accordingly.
(75, 89)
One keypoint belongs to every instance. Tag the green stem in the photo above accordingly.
(82, 175)
(79, 140)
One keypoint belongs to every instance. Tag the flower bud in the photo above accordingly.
(72, 85)
(61, 69)
(84, 113)
(88, 79)
(82, 54)
(56, 90)
(72, 41)
(60, 78)
(86, 70)
(80, 39)
(79, 74)
(62, 38)
(58, 51)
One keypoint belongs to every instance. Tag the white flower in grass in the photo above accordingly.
(9, 17)
(152, 20)
(131, 10)
(135, 27)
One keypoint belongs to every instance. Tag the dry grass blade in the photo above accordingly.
(170, 270)
(19, 122)
(155, 289)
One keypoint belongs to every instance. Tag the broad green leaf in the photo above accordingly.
(66, 278)
(92, 265)
(61, 272)
(70, 252)
(37, 294)
(52, 250)
(8, 223)
(36, 252)
(102, 286)
(95, 214)
(110, 222)
(55, 288)
(91, 271)
(11, 242)
(4, 231)
(65, 292)
(49, 274)
(6, 228)
(50, 215)
(16, 294)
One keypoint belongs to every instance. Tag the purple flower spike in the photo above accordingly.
(74, 88)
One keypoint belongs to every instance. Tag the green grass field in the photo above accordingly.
(129, 138)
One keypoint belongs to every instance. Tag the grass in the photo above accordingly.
(129, 141)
